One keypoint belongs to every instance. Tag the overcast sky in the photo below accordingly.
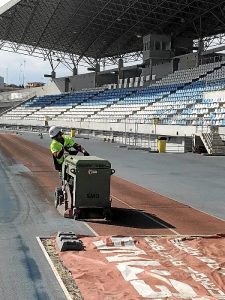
(17, 68)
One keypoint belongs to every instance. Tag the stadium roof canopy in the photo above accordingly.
(105, 28)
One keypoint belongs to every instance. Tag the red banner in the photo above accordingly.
(131, 268)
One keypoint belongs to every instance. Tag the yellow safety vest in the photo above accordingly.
(57, 146)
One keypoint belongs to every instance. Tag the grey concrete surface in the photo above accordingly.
(193, 179)
(25, 214)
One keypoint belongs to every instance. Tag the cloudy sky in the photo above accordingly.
(17, 68)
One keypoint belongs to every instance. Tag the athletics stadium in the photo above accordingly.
(150, 107)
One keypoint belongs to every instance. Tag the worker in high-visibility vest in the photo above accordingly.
(61, 143)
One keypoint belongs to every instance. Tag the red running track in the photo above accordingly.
(137, 211)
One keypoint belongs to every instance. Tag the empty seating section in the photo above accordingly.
(41, 101)
(32, 107)
(132, 103)
(148, 100)
(45, 113)
(217, 74)
(94, 108)
(18, 113)
(48, 106)
(71, 102)
(218, 116)
(181, 76)
(183, 107)
(177, 99)
(196, 110)
(187, 76)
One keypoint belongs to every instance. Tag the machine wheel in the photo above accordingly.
(58, 196)
(76, 214)
(107, 213)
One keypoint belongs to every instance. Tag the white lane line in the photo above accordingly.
(68, 296)
(174, 236)
(147, 216)
(177, 201)
(92, 230)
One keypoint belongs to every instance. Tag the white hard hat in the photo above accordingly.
(53, 131)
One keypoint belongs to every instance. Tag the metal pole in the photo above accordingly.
(7, 75)
(135, 134)
(125, 131)
(24, 62)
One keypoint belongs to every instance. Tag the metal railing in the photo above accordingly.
(131, 140)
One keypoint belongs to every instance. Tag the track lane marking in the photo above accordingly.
(62, 285)
(178, 201)
(92, 230)
(147, 216)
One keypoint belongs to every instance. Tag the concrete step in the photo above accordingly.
(218, 149)
(217, 154)
(218, 145)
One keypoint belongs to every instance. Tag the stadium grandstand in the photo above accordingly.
(176, 89)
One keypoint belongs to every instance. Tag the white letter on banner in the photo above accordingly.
(128, 247)
(128, 243)
(124, 257)
(184, 289)
(147, 292)
(161, 272)
(129, 272)
(181, 287)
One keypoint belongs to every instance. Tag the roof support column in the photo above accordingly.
(120, 71)
(150, 67)
(51, 62)
(97, 67)
(75, 71)
(53, 74)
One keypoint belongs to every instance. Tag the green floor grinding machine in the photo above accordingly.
(85, 191)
